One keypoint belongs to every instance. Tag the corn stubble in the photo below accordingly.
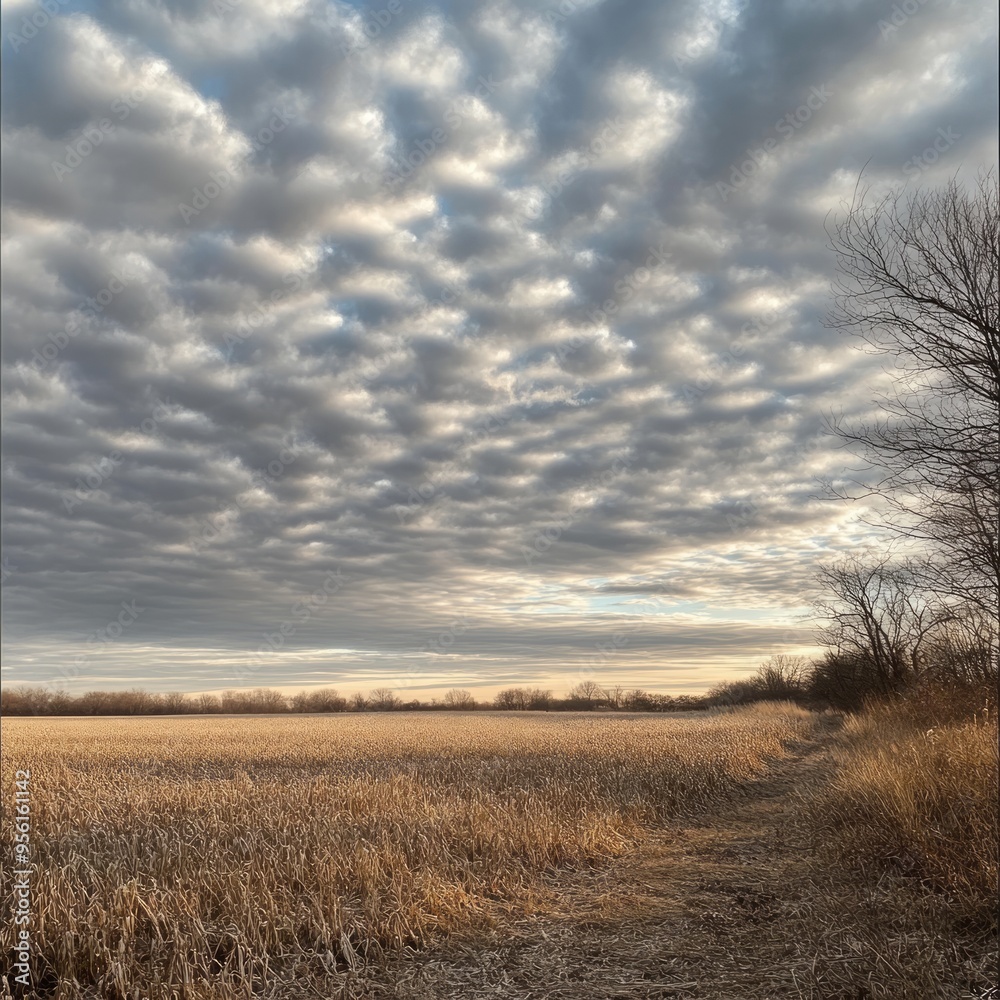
(198, 858)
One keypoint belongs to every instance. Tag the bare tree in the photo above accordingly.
(255, 700)
(876, 614)
(782, 676)
(918, 281)
(506, 699)
(638, 700)
(460, 700)
(539, 699)
(589, 692)
(174, 703)
(209, 703)
(964, 649)
(513, 699)
(321, 700)
(615, 696)
(384, 700)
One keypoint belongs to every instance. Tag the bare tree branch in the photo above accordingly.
(919, 283)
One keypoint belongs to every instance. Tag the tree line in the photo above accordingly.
(918, 288)
(843, 678)
(586, 696)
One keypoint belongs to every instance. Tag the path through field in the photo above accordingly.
(734, 904)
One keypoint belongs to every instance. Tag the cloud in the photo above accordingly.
(498, 311)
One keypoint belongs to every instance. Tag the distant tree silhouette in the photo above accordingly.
(459, 699)
(384, 700)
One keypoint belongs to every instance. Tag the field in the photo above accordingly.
(218, 854)
(438, 855)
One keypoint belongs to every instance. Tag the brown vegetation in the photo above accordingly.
(766, 898)
(915, 792)
(202, 857)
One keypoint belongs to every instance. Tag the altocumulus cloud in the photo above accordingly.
(500, 314)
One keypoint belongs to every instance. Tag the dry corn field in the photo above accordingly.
(217, 858)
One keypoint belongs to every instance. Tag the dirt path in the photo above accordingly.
(737, 904)
(707, 908)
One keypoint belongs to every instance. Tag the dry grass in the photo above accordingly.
(202, 858)
(919, 800)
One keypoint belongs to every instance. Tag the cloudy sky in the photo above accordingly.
(450, 344)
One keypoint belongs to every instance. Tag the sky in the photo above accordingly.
(423, 346)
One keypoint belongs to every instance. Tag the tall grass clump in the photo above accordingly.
(915, 794)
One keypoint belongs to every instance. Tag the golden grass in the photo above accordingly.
(920, 800)
(190, 858)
